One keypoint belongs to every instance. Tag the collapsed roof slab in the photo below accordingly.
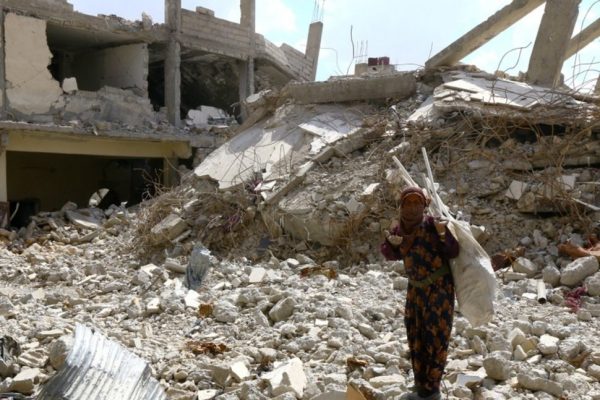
(273, 146)
(552, 41)
(483, 33)
(398, 86)
(109, 30)
(583, 38)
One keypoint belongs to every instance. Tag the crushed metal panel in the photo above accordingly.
(98, 368)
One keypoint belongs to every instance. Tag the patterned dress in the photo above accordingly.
(429, 302)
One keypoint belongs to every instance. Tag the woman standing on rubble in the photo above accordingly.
(426, 245)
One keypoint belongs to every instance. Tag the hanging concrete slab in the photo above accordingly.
(330, 127)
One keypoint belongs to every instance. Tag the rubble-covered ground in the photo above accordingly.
(279, 316)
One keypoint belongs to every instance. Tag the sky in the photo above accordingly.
(407, 31)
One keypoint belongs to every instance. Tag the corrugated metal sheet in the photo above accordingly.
(100, 369)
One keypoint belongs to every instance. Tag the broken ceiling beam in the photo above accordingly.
(483, 33)
(552, 41)
(398, 86)
(583, 38)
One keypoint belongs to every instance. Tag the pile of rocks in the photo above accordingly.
(285, 329)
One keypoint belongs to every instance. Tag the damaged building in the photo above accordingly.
(96, 102)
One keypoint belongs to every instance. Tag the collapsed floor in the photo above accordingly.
(297, 301)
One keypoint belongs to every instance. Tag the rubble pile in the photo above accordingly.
(292, 299)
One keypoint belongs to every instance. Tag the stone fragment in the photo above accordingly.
(516, 337)
(570, 348)
(257, 275)
(516, 189)
(534, 383)
(7, 309)
(53, 333)
(225, 311)
(69, 85)
(497, 367)
(192, 299)
(525, 266)
(575, 272)
(283, 309)
(548, 345)
(387, 380)
(153, 306)
(59, 350)
(551, 275)
(174, 266)
(592, 283)
(287, 376)
(207, 394)
(169, 228)
(25, 381)
(239, 371)
(34, 358)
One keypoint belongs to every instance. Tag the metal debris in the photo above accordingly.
(98, 368)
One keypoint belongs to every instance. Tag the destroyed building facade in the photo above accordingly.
(90, 102)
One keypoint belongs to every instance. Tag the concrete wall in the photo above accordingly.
(231, 39)
(300, 64)
(218, 35)
(30, 86)
(397, 86)
(124, 67)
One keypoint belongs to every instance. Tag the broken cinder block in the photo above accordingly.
(169, 228)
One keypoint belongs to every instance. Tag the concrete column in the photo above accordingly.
(173, 62)
(552, 41)
(246, 67)
(597, 90)
(483, 33)
(3, 179)
(3, 98)
(583, 38)
(170, 177)
(313, 46)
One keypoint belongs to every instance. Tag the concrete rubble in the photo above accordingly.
(276, 316)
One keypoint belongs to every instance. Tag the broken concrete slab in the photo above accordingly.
(169, 228)
(398, 86)
(502, 92)
(287, 376)
(330, 127)
(266, 150)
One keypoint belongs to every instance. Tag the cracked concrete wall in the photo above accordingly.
(123, 67)
(30, 88)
